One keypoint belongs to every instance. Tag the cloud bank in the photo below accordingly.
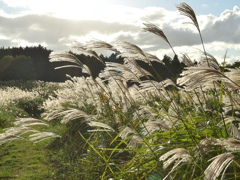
(34, 26)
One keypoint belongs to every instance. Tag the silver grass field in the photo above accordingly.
(146, 130)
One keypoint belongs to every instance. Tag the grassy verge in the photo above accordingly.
(25, 160)
(22, 159)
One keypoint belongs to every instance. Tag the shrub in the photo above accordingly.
(34, 107)
(8, 114)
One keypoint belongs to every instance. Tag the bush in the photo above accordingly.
(32, 106)
(8, 114)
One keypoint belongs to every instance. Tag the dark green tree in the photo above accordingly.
(17, 68)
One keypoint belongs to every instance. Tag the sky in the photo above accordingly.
(56, 24)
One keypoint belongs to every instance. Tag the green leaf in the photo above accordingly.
(154, 176)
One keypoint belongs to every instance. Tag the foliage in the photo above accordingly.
(19, 67)
(32, 106)
(32, 63)
(8, 114)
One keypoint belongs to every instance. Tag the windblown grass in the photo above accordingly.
(144, 131)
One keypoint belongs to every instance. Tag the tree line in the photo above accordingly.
(32, 63)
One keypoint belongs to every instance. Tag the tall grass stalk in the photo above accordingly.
(186, 10)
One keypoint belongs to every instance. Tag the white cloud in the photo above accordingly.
(59, 23)
(24, 43)
(205, 5)
(81, 9)
(230, 59)
(36, 27)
